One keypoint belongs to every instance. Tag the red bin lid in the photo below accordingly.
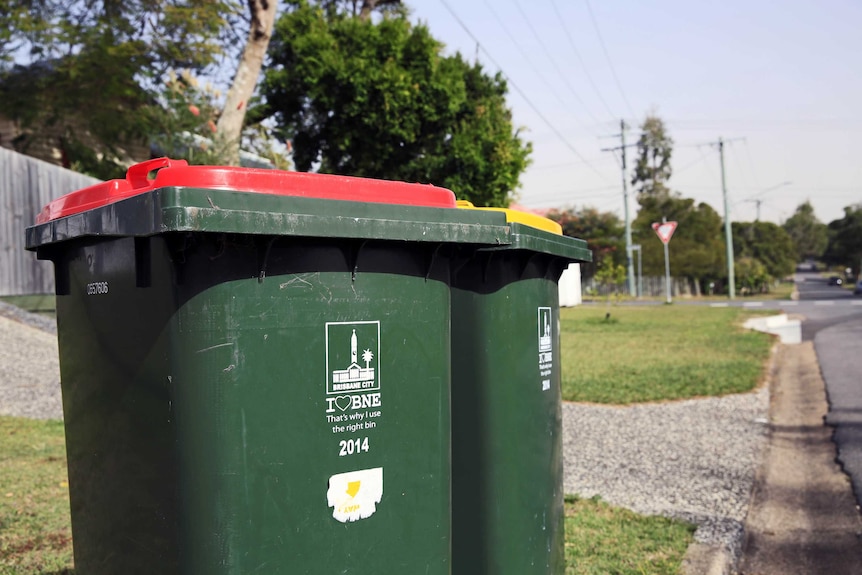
(177, 173)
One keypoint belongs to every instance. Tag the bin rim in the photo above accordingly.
(178, 173)
(518, 216)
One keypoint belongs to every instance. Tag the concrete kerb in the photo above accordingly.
(788, 330)
(705, 559)
(715, 559)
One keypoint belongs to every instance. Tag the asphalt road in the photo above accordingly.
(832, 319)
(837, 334)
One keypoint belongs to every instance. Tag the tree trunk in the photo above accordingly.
(368, 6)
(229, 128)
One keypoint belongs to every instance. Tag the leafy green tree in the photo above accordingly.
(86, 69)
(845, 240)
(807, 232)
(603, 232)
(610, 276)
(652, 167)
(377, 99)
(17, 22)
(751, 274)
(697, 248)
(97, 70)
(768, 243)
(159, 33)
(360, 8)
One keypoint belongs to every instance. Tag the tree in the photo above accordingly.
(95, 72)
(360, 9)
(377, 99)
(603, 232)
(752, 275)
(232, 119)
(807, 232)
(652, 167)
(767, 243)
(845, 240)
(697, 249)
(86, 69)
(157, 33)
(610, 276)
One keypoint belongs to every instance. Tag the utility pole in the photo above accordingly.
(728, 231)
(630, 270)
(728, 234)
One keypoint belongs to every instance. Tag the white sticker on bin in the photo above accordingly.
(354, 495)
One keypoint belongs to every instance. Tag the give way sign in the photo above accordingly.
(664, 230)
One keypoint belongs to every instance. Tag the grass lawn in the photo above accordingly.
(601, 539)
(35, 529)
(45, 304)
(36, 538)
(654, 353)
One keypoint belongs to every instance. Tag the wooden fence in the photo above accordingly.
(27, 184)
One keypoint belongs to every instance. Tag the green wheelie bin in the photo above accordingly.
(255, 370)
(507, 498)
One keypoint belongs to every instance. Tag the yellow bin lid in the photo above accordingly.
(532, 220)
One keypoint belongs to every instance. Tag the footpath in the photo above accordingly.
(803, 518)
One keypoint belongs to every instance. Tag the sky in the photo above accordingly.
(779, 81)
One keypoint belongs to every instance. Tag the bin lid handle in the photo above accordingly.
(139, 174)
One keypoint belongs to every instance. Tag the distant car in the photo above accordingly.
(835, 281)
(858, 289)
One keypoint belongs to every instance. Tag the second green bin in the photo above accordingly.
(507, 499)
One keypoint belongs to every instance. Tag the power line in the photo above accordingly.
(690, 165)
(536, 69)
(521, 92)
(580, 59)
(568, 201)
(738, 163)
(703, 156)
(608, 58)
(553, 61)
(562, 165)
(751, 163)
(555, 194)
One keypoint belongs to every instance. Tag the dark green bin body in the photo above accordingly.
(200, 335)
(507, 462)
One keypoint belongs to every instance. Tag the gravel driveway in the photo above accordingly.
(694, 460)
(29, 367)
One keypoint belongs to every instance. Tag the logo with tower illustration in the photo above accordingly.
(352, 356)
(545, 338)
